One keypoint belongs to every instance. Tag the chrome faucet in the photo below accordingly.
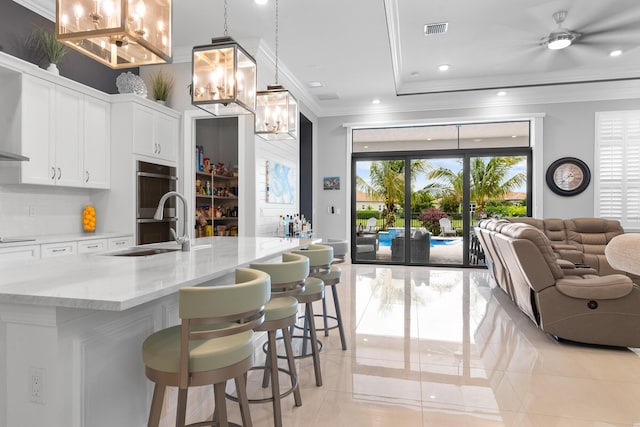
(184, 239)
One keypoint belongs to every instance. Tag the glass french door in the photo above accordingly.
(422, 210)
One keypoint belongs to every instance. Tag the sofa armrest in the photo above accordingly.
(573, 255)
(605, 287)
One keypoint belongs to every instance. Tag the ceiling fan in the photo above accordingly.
(560, 38)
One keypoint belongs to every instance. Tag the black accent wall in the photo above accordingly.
(306, 167)
(17, 23)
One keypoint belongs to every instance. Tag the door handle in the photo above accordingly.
(59, 174)
(87, 176)
(53, 172)
(159, 148)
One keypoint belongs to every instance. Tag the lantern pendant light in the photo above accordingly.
(117, 33)
(224, 77)
(276, 108)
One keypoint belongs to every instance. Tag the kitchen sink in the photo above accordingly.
(142, 251)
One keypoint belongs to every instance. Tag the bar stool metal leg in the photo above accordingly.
(336, 303)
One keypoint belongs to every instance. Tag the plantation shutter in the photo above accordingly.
(617, 173)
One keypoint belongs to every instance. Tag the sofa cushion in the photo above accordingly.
(537, 237)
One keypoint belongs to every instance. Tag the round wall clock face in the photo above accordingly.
(568, 176)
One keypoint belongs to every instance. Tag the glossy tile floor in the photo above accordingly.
(440, 347)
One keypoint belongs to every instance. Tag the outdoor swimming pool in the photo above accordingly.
(385, 238)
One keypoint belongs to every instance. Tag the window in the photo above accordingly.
(617, 171)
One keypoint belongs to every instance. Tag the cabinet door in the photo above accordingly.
(167, 137)
(96, 143)
(69, 137)
(15, 253)
(38, 98)
(143, 131)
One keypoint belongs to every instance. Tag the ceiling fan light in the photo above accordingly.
(559, 41)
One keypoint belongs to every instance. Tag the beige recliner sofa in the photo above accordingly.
(569, 303)
(579, 240)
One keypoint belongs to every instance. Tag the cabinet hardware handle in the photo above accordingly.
(91, 246)
(59, 250)
(159, 148)
(53, 172)
(59, 174)
(120, 243)
(87, 174)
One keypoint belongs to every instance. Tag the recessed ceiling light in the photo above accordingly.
(513, 136)
(477, 139)
(501, 93)
(428, 139)
(444, 67)
(375, 101)
(366, 146)
(261, 1)
(615, 53)
(315, 84)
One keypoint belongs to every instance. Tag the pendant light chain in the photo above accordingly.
(277, 42)
(226, 32)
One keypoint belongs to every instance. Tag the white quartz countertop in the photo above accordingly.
(103, 282)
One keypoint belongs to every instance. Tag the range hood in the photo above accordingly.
(6, 156)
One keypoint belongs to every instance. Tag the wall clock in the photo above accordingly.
(568, 176)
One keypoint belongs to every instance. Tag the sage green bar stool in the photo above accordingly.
(321, 268)
(213, 344)
(287, 282)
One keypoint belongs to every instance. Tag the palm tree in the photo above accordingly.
(386, 181)
(489, 180)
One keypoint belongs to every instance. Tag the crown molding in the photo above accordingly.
(45, 8)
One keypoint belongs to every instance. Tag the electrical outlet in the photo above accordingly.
(36, 385)
(32, 211)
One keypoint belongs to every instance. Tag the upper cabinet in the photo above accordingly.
(63, 129)
(154, 129)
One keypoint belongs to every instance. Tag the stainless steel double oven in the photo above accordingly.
(154, 180)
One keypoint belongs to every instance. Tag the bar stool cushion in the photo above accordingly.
(313, 290)
(161, 351)
(280, 308)
(332, 276)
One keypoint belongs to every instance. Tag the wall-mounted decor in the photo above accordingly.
(331, 182)
(568, 176)
(281, 185)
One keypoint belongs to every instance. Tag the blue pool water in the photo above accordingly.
(385, 238)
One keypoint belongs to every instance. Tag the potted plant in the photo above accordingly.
(45, 41)
(161, 84)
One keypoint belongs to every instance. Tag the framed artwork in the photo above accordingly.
(281, 185)
(331, 182)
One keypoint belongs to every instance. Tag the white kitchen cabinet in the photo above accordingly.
(37, 131)
(120, 242)
(97, 131)
(16, 253)
(68, 143)
(90, 246)
(155, 134)
(64, 130)
(49, 250)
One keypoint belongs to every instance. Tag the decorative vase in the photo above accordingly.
(53, 68)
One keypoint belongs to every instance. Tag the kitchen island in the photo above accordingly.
(71, 328)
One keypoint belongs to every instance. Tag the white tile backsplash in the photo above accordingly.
(58, 210)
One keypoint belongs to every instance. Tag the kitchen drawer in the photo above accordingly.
(58, 249)
(88, 246)
(19, 253)
(120, 242)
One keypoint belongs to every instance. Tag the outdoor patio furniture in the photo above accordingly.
(420, 247)
(446, 228)
(366, 247)
(372, 225)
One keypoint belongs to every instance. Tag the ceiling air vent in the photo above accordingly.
(437, 28)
